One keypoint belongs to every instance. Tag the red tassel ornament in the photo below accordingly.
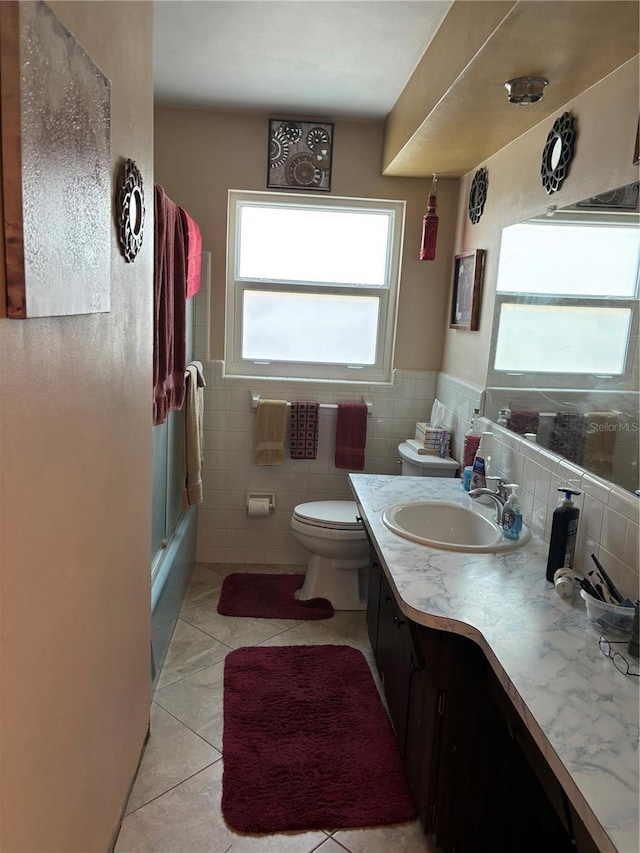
(430, 227)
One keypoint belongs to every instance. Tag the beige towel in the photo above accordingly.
(194, 433)
(600, 442)
(271, 424)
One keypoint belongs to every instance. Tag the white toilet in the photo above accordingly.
(337, 543)
(425, 465)
(338, 553)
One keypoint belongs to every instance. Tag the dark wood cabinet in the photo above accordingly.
(479, 781)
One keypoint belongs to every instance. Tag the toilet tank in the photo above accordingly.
(425, 465)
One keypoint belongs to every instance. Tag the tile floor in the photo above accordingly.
(175, 803)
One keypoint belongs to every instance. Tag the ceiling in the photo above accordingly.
(435, 71)
(324, 58)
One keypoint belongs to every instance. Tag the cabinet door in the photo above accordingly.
(373, 602)
(424, 726)
(393, 656)
(454, 789)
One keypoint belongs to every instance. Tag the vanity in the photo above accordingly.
(517, 733)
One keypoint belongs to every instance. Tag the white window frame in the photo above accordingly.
(380, 371)
(625, 381)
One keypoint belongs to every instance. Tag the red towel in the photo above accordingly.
(193, 252)
(303, 430)
(523, 421)
(169, 327)
(351, 436)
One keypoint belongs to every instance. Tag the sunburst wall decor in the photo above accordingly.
(299, 155)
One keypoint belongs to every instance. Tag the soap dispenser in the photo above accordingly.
(512, 515)
(564, 530)
(471, 440)
(481, 462)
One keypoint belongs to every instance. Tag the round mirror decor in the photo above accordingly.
(130, 211)
(558, 153)
(477, 195)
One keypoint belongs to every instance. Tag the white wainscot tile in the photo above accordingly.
(529, 473)
(592, 515)
(625, 503)
(403, 408)
(548, 460)
(624, 577)
(526, 502)
(614, 532)
(539, 516)
(570, 474)
(596, 487)
(542, 486)
(632, 547)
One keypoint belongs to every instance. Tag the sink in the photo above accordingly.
(450, 526)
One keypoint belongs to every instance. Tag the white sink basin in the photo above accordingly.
(449, 526)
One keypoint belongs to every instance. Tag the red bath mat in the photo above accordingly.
(307, 743)
(269, 597)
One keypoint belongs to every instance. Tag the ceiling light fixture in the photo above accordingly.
(525, 90)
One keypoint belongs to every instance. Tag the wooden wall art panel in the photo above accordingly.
(56, 167)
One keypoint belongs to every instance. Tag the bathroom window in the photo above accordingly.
(567, 304)
(312, 286)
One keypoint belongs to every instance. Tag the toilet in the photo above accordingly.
(337, 543)
(425, 465)
(338, 553)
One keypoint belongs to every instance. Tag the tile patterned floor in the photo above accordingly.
(174, 806)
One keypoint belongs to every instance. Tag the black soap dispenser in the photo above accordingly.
(564, 530)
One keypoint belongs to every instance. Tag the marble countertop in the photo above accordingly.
(581, 711)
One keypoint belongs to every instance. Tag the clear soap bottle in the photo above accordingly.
(512, 515)
(471, 440)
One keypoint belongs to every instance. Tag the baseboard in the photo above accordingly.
(116, 831)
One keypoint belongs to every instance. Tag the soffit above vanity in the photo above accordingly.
(454, 112)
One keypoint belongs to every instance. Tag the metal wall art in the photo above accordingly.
(558, 153)
(300, 154)
(56, 167)
(478, 195)
(130, 211)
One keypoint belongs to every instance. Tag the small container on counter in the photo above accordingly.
(466, 478)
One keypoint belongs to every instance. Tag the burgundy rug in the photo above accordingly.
(269, 597)
(307, 743)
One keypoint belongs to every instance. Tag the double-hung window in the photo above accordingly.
(567, 304)
(312, 286)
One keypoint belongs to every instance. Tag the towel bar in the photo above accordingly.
(255, 399)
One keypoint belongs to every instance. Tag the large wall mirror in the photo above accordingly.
(563, 365)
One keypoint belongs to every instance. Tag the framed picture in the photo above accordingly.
(299, 156)
(468, 268)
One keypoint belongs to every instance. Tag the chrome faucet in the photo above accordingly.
(501, 488)
(495, 497)
(499, 496)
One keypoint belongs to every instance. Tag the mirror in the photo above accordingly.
(563, 364)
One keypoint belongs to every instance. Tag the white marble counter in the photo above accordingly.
(581, 711)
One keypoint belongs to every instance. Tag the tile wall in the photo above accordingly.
(609, 515)
(225, 532)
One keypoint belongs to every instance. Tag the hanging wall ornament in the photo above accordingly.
(430, 226)
(130, 211)
(477, 195)
(558, 153)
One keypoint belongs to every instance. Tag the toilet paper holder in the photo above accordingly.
(261, 497)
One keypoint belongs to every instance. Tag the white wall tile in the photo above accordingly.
(614, 532)
(596, 487)
(227, 534)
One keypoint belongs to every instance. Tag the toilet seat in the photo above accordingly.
(330, 515)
